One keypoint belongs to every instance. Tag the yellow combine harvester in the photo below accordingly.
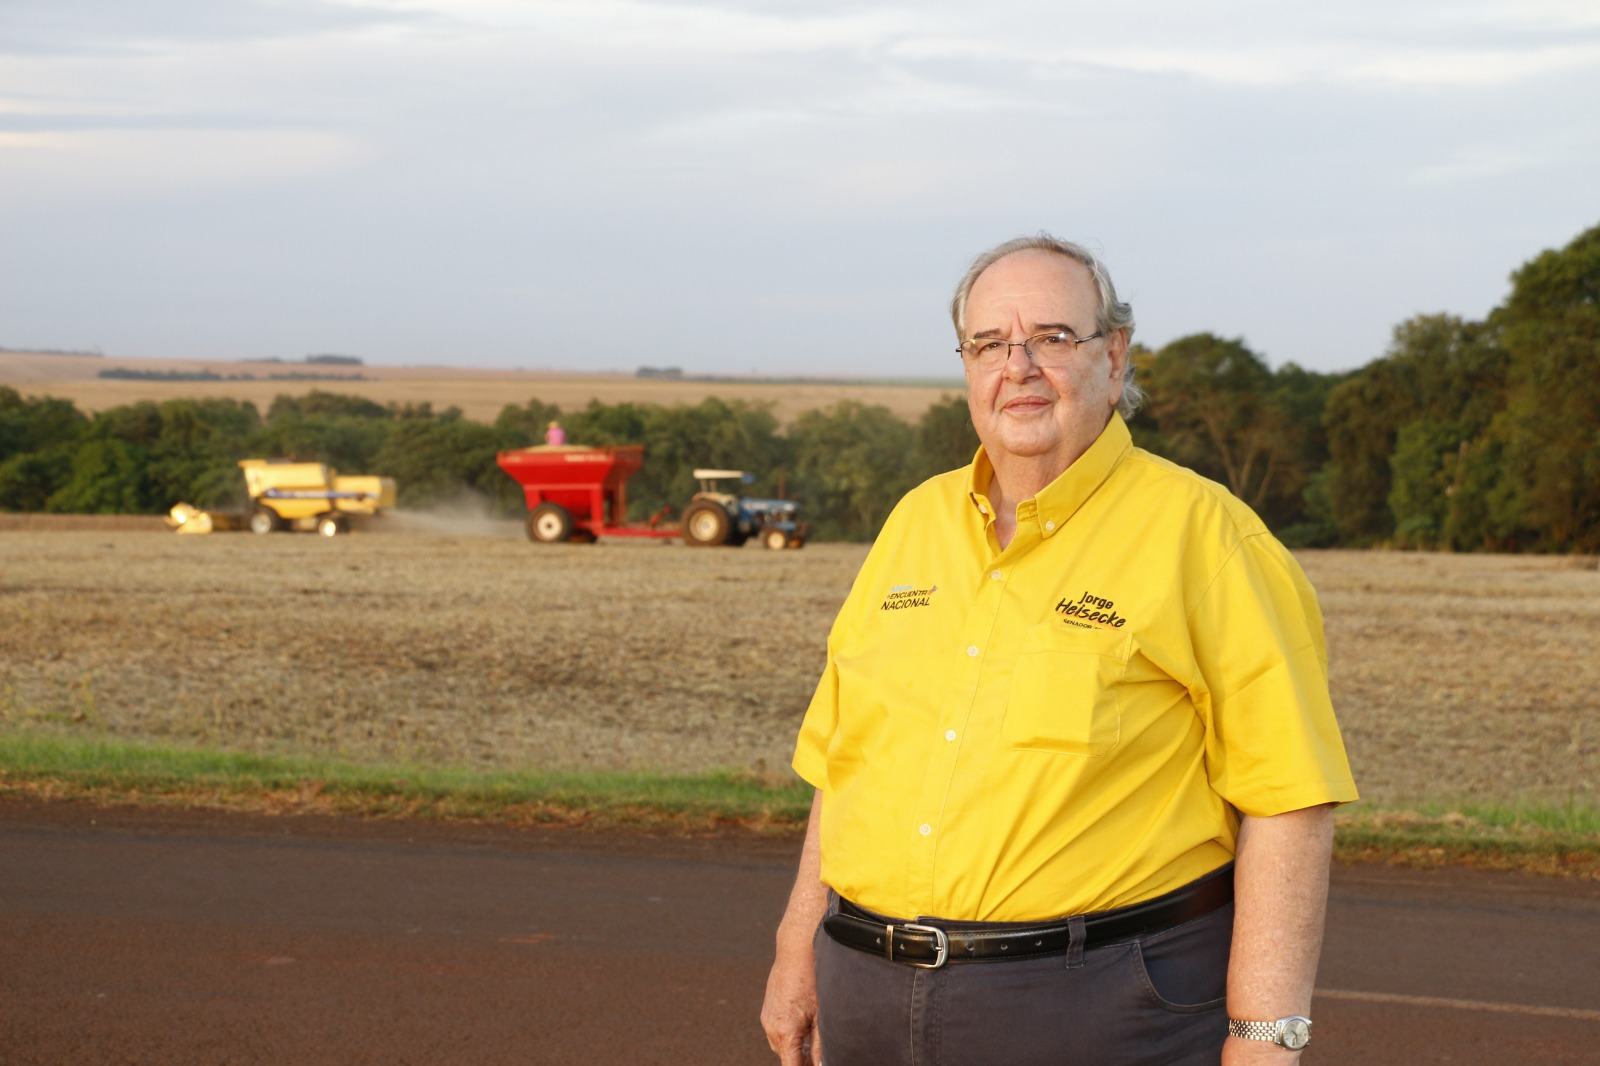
(289, 495)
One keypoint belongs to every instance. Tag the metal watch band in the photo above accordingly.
(1292, 1032)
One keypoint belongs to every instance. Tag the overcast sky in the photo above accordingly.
(777, 186)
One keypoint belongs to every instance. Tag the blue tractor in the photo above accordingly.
(716, 517)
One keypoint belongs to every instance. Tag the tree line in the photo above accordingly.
(1464, 435)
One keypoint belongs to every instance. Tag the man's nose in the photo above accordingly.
(1018, 362)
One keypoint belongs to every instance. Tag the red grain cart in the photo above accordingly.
(578, 493)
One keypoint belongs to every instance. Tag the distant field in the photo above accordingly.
(479, 393)
(1456, 677)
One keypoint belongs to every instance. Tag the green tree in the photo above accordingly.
(318, 404)
(436, 462)
(36, 423)
(344, 442)
(946, 439)
(1551, 329)
(523, 427)
(196, 454)
(852, 464)
(29, 479)
(1219, 409)
(1421, 482)
(1438, 367)
(108, 477)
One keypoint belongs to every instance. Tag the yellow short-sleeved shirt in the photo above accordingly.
(1073, 723)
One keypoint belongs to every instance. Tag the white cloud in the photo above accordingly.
(118, 163)
(782, 147)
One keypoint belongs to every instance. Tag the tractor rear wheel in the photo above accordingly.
(330, 525)
(776, 539)
(264, 520)
(706, 524)
(549, 523)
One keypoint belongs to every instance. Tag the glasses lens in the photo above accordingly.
(987, 354)
(1051, 349)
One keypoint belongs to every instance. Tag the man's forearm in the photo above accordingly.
(789, 1011)
(1280, 902)
(809, 897)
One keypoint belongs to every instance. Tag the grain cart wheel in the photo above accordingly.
(549, 523)
(330, 525)
(776, 539)
(706, 524)
(264, 520)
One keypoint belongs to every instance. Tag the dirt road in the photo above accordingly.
(175, 938)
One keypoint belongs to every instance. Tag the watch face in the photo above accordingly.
(1296, 1033)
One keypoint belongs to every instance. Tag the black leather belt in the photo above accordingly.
(932, 944)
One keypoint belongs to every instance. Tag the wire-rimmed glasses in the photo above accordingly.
(1053, 348)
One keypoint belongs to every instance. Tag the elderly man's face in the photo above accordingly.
(1047, 415)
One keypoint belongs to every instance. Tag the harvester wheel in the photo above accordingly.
(706, 524)
(776, 539)
(331, 525)
(549, 523)
(264, 520)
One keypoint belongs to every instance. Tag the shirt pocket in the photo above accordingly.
(1064, 690)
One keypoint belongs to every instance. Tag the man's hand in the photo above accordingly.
(789, 1012)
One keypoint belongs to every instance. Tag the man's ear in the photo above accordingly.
(1117, 348)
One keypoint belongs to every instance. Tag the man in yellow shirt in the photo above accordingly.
(1073, 749)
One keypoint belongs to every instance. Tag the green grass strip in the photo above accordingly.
(123, 771)
(1561, 840)
(1558, 840)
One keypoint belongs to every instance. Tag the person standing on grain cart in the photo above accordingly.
(554, 435)
(1074, 755)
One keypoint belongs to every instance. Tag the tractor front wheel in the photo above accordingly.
(549, 523)
(706, 524)
(776, 539)
(264, 520)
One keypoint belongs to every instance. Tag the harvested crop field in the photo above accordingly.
(1456, 677)
(481, 394)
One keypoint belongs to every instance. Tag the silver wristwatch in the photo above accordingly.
(1293, 1032)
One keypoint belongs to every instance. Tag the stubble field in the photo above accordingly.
(481, 394)
(1469, 678)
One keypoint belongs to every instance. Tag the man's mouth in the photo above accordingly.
(1025, 404)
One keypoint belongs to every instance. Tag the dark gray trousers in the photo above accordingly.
(1158, 1000)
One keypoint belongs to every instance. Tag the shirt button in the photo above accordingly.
(982, 509)
(997, 575)
(972, 650)
(924, 828)
(949, 734)
(1049, 525)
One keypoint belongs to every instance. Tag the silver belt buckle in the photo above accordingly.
(941, 943)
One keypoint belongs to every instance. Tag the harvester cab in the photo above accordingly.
(716, 516)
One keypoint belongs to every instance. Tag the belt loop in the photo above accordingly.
(1076, 935)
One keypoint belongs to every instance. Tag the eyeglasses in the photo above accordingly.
(1055, 348)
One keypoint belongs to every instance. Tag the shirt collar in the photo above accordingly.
(1060, 499)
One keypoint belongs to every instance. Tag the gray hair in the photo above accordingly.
(1113, 314)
